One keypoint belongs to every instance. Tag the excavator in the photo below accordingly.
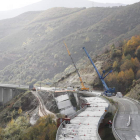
(83, 88)
(108, 91)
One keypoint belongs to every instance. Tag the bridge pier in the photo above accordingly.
(1, 95)
(14, 93)
(9, 91)
(7, 95)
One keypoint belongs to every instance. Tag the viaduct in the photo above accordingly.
(9, 91)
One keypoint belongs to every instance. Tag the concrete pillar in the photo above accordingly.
(10, 95)
(14, 93)
(6, 95)
(1, 95)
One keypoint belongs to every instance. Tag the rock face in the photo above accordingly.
(135, 91)
(27, 102)
(49, 101)
(88, 75)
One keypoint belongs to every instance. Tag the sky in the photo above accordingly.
(117, 1)
(14, 4)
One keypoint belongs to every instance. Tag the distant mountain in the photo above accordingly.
(95, 4)
(33, 41)
(46, 4)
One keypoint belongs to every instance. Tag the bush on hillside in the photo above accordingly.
(138, 75)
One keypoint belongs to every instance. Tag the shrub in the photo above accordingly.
(138, 74)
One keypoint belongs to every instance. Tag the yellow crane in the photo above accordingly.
(82, 84)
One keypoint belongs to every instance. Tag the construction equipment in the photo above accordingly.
(108, 91)
(82, 84)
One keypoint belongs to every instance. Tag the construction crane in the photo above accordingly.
(108, 91)
(82, 84)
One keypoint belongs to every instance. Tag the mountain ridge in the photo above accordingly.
(47, 4)
(38, 47)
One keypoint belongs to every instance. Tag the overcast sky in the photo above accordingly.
(117, 1)
(13, 4)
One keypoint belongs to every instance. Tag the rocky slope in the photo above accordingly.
(88, 74)
(134, 91)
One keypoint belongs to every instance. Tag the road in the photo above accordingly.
(42, 108)
(128, 108)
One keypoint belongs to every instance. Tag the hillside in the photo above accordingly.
(47, 4)
(20, 120)
(36, 48)
(123, 60)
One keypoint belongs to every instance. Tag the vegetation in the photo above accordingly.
(20, 129)
(15, 120)
(34, 51)
(44, 129)
(126, 65)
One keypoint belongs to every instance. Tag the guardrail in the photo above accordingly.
(117, 137)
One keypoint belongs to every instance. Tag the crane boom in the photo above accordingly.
(82, 84)
(107, 90)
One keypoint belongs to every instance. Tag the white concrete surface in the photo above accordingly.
(84, 126)
(64, 104)
(62, 98)
(68, 111)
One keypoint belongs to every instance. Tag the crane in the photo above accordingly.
(108, 91)
(82, 84)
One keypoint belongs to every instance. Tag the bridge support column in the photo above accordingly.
(10, 94)
(1, 95)
(7, 95)
(14, 93)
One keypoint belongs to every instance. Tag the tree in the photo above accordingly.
(115, 64)
(138, 75)
(137, 52)
(1, 133)
(129, 77)
(131, 45)
(121, 81)
(127, 65)
(111, 79)
(135, 62)
(128, 57)
(112, 50)
(121, 77)
(19, 111)
(44, 129)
